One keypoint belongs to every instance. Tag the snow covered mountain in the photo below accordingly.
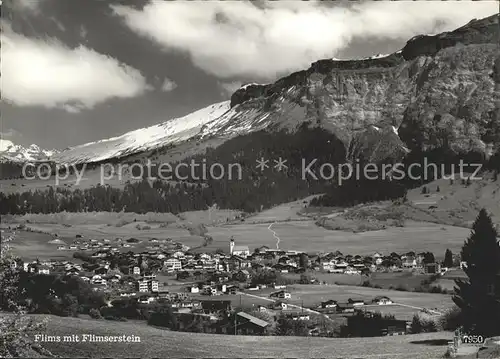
(17, 153)
(170, 132)
(385, 105)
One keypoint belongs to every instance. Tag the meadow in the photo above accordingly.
(293, 235)
(312, 295)
(163, 343)
(307, 236)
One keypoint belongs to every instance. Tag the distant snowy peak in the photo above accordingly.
(17, 153)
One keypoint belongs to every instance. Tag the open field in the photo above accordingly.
(307, 236)
(292, 211)
(447, 281)
(313, 295)
(163, 343)
(118, 219)
(237, 300)
(32, 245)
(400, 312)
(405, 279)
(384, 280)
(294, 235)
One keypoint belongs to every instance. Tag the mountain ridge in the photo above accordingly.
(17, 153)
(439, 89)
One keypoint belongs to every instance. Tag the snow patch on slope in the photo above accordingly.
(167, 133)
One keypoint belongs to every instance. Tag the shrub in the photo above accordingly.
(401, 288)
(422, 325)
(451, 320)
(95, 313)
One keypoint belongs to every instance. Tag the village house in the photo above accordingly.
(377, 256)
(284, 268)
(194, 289)
(363, 325)
(172, 264)
(282, 294)
(408, 261)
(432, 268)
(232, 289)
(98, 280)
(145, 299)
(262, 249)
(279, 305)
(43, 269)
(287, 260)
(345, 308)
(329, 304)
(297, 315)
(356, 302)
(147, 285)
(246, 324)
(236, 262)
(382, 300)
(209, 290)
(72, 271)
(216, 306)
(241, 276)
(328, 265)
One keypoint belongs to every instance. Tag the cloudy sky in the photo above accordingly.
(75, 71)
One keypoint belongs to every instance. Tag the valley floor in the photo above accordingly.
(302, 235)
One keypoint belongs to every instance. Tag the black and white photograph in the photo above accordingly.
(250, 179)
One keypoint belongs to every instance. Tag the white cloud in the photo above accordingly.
(168, 85)
(228, 88)
(10, 133)
(33, 6)
(235, 38)
(47, 73)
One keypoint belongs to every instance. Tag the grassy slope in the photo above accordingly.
(162, 343)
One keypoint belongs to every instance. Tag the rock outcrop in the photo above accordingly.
(438, 91)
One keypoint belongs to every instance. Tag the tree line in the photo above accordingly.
(254, 191)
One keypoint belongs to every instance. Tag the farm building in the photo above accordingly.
(329, 304)
(215, 306)
(362, 325)
(247, 324)
(281, 295)
(382, 300)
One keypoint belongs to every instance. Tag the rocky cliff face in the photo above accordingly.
(438, 91)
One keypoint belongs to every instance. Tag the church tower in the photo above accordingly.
(231, 246)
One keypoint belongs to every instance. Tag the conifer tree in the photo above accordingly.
(448, 259)
(478, 297)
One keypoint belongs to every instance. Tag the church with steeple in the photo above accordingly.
(242, 251)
